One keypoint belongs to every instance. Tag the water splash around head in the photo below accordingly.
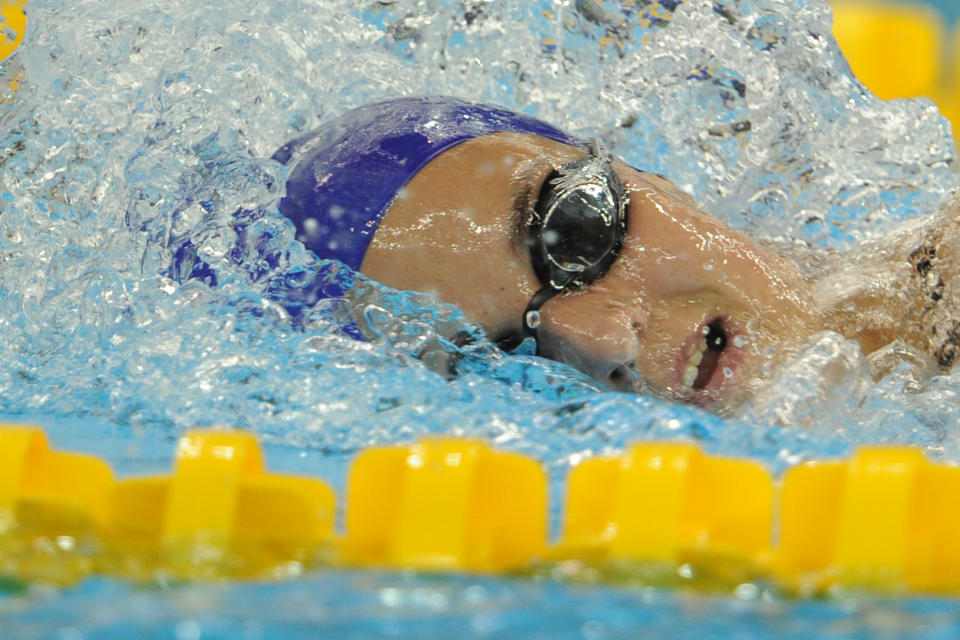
(139, 128)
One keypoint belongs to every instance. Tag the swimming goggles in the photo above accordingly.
(575, 232)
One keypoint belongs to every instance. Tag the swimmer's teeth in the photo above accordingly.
(697, 356)
(692, 370)
(689, 376)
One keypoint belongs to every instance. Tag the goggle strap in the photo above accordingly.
(537, 301)
(511, 341)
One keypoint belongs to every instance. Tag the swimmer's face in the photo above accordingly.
(690, 309)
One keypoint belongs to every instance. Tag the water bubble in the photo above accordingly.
(65, 543)
(747, 591)
(188, 630)
(593, 630)
(391, 597)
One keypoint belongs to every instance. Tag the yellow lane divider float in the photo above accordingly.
(445, 504)
(885, 518)
(895, 48)
(665, 505)
(901, 49)
(13, 24)
(220, 511)
(661, 513)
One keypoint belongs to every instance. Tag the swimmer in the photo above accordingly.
(538, 235)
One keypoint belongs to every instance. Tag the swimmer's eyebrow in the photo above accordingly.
(525, 182)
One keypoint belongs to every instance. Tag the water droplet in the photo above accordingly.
(187, 630)
(66, 543)
(390, 597)
(747, 591)
(593, 630)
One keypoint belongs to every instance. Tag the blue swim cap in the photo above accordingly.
(344, 175)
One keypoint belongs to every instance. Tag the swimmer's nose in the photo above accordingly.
(623, 377)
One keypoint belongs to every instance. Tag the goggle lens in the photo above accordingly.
(579, 229)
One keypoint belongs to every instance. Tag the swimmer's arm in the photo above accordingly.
(896, 290)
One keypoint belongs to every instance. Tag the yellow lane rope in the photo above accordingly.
(660, 513)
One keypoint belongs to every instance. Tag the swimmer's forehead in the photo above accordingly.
(344, 175)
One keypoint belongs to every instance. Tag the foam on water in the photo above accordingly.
(143, 127)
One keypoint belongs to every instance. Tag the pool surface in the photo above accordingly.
(140, 126)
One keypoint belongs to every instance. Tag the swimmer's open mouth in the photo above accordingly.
(710, 357)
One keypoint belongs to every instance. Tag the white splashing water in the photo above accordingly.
(140, 125)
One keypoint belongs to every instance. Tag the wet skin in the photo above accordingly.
(682, 279)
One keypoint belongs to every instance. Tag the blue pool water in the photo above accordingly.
(948, 9)
(142, 125)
